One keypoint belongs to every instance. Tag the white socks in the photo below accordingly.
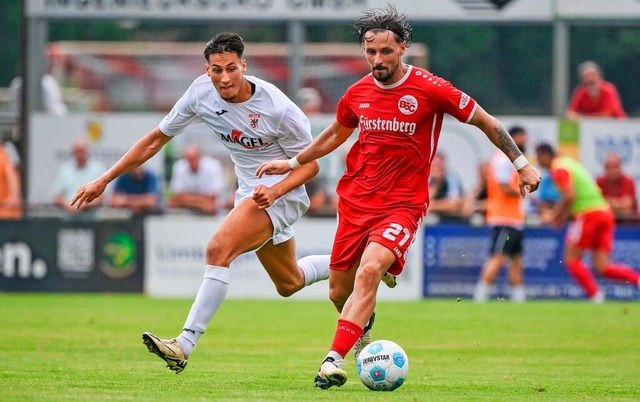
(518, 294)
(213, 291)
(315, 268)
(483, 291)
(210, 296)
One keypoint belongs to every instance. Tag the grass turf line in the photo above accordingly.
(88, 347)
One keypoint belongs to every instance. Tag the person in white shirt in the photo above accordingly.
(257, 123)
(197, 182)
(72, 173)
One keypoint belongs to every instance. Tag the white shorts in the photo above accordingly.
(284, 212)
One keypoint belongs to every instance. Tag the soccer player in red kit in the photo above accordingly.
(384, 194)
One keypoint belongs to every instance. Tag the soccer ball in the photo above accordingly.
(382, 366)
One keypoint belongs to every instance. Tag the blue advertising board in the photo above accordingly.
(454, 254)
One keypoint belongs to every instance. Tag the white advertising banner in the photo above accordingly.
(598, 9)
(109, 136)
(304, 10)
(175, 258)
(599, 137)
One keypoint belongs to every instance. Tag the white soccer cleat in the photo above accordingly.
(365, 338)
(331, 374)
(168, 350)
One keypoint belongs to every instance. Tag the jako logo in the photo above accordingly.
(16, 260)
(408, 104)
(364, 106)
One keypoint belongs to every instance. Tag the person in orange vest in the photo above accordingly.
(505, 215)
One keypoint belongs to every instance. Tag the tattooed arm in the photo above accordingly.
(499, 136)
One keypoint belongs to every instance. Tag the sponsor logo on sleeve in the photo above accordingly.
(464, 100)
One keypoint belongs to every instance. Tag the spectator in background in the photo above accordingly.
(547, 195)
(445, 189)
(595, 97)
(619, 189)
(52, 101)
(138, 191)
(10, 190)
(322, 203)
(505, 215)
(310, 100)
(592, 224)
(476, 201)
(197, 182)
(74, 173)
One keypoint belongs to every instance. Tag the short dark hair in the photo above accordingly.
(224, 42)
(384, 19)
(515, 130)
(545, 149)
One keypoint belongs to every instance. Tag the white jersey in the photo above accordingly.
(268, 126)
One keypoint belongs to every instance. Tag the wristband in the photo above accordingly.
(519, 162)
(293, 163)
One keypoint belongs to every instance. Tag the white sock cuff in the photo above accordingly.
(315, 268)
(220, 274)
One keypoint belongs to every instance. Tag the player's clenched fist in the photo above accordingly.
(264, 196)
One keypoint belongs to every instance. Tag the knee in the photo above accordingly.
(368, 276)
(218, 254)
(287, 289)
(338, 296)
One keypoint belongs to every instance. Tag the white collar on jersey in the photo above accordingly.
(397, 84)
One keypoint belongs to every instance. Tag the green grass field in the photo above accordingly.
(88, 347)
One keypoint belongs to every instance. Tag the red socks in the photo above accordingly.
(583, 276)
(621, 272)
(346, 336)
(616, 271)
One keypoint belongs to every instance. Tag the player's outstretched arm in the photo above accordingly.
(496, 132)
(265, 196)
(139, 153)
(329, 139)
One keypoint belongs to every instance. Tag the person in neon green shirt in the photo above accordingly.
(592, 223)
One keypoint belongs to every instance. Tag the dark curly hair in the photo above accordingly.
(224, 42)
(384, 19)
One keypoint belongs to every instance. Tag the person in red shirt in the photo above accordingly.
(595, 97)
(398, 110)
(619, 189)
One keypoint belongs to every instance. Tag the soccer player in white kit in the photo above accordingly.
(257, 123)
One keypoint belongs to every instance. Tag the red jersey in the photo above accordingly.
(623, 187)
(607, 104)
(399, 127)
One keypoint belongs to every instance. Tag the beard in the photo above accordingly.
(382, 74)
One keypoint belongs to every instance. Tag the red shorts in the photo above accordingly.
(395, 231)
(592, 230)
